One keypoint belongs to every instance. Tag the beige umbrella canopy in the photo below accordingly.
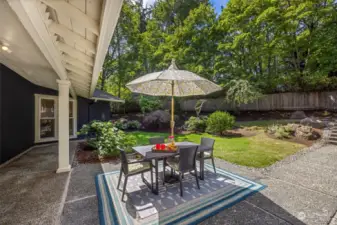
(172, 82)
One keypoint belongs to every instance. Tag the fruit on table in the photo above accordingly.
(172, 146)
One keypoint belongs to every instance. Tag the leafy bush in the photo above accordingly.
(121, 124)
(134, 125)
(107, 138)
(124, 124)
(196, 124)
(149, 104)
(218, 122)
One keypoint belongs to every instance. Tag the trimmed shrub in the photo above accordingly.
(218, 122)
(157, 119)
(196, 124)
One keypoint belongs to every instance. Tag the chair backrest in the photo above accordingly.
(187, 158)
(124, 161)
(156, 140)
(208, 142)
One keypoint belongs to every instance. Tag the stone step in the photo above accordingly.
(333, 142)
(333, 138)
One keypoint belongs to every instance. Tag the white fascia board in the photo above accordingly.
(109, 18)
(107, 100)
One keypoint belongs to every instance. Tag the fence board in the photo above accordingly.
(281, 101)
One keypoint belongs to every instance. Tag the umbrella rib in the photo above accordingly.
(179, 89)
(196, 83)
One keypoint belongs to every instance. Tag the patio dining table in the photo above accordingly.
(146, 152)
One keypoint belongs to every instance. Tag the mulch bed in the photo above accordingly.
(239, 132)
(86, 154)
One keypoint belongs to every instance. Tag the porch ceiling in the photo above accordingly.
(72, 35)
(25, 57)
(76, 27)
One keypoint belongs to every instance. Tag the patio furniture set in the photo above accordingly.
(180, 162)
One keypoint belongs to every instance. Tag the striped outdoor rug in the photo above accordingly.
(218, 191)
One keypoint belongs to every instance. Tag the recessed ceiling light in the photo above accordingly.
(5, 48)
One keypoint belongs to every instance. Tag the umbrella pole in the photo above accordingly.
(172, 110)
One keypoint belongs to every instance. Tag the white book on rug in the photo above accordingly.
(144, 211)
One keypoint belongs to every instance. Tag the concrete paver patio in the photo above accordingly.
(302, 191)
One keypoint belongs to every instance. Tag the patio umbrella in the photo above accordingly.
(172, 82)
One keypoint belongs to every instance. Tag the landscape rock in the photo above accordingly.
(157, 119)
(298, 115)
(314, 122)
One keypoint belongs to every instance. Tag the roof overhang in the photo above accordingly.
(99, 95)
(107, 100)
(73, 36)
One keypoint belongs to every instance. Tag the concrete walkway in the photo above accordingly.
(30, 190)
(302, 191)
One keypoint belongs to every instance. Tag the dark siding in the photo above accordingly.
(89, 110)
(0, 113)
(100, 111)
(17, 112)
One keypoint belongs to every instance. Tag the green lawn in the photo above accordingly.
(257, 151)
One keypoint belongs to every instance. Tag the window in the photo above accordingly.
(72, 118)
(46, 118)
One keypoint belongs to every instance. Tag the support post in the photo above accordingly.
(172, 110)
(63, 126)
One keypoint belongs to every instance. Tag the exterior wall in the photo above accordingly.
(17, 112)
(0, 113)
(89, 110)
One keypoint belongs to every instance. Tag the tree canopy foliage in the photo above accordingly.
(275, 45)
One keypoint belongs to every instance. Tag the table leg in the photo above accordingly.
(156, 191)
(164, 164)
(201, 165)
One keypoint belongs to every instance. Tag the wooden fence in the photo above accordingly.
(281, 101)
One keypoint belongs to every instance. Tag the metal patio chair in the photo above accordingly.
(156, 140)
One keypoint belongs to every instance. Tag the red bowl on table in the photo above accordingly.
(162, 147)
(157, 146)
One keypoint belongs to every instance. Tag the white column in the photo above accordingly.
(63, 126)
